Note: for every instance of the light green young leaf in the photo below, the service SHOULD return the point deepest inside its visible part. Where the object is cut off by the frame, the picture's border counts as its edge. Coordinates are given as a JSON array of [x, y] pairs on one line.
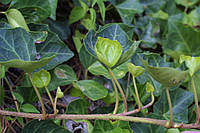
[[193, 63], [28, 108], [108, 51], [135, 70], [186, 3], [149, 88], [160, 14], [16, 19], [91, 89], [59, 93], [41, 78]]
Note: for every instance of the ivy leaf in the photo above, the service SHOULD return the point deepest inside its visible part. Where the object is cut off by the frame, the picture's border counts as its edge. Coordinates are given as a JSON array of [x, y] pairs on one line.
[[127, 9], [135, 70], [52, 45], [76, 14], [28, 108], [186, 3], [43, 126], [181, 42], [64, 75], [91, 89], [22, 52], [41, 78], [121, 34], [33, 11], [78, 106], [16, 19], [108, 51], [102, 8], [98, 69], [167, 76], [181, 100], [53, 6]]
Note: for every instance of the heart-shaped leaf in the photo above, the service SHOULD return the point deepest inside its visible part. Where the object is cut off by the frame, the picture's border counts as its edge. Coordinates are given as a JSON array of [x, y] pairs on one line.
[[64, 75], [108, 51], [193, 63], [98, 69], [52, 45], [127, 9], [91, 89], [119, 32], [167, 76], [41, 78], [135, 70], [43, 126], [16, 19], [18, 50]]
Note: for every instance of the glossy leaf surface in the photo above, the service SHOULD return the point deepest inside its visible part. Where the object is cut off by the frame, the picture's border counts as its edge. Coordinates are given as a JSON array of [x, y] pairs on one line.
[[41, 78], [108, 52], [91, 89]]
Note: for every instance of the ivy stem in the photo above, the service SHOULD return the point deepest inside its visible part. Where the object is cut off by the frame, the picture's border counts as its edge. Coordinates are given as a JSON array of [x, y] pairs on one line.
[[136, 92], [85, 74], [116, 97], [127, 85], [54, 108], [39, 97], [120, 89], [196, 101], [50, 97], [170, 108], [14, 98]]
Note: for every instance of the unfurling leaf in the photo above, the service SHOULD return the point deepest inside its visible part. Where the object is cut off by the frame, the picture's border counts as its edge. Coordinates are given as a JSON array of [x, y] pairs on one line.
[[149, 88], [59, 93], [135, 70], [193, 63], [108, 51], [41, 78]]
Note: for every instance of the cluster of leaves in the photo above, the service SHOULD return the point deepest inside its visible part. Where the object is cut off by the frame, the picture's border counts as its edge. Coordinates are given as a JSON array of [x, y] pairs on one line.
[[156, 35]]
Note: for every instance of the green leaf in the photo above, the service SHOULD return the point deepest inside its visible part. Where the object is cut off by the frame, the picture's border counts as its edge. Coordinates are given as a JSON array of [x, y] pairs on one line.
[[5, 2], [101, 126], [59, 93], [149, 87], [59, 27], [184, 40], [160, 14], [2, 71], [91, 89], [86, 59], [119, 32], [22, 52], [28, 108], [186, 3], [127, 9], [193, 63], [78, 106], [76, 14], [173, 130], [43, 126], [33, 11], [108, 51], [135, 70], [16, 19], [118, 130], [52, 45], [98, 69], [167, 76], [181, 100], [41, 79], [19, 98], [53, 6], [102, 8], [64, 75]]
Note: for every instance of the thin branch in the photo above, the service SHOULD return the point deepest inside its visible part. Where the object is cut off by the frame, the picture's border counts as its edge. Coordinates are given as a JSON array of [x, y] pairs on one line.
[[170, 107], [163, 123]]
